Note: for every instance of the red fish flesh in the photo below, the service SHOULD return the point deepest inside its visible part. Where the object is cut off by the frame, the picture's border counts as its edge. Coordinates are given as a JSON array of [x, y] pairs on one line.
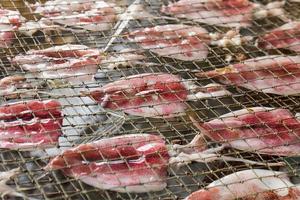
[[259, 129], [181, 42], [29, 125], [130, 163], [73, 62], [149, 95], [10, 20], [228, 13], [258, 184], [286, 36], [269, 74], [83, 14], [156, 95]]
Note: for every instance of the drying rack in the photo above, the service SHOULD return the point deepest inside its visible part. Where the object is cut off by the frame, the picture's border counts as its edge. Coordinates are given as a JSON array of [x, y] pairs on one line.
[[85, 120]]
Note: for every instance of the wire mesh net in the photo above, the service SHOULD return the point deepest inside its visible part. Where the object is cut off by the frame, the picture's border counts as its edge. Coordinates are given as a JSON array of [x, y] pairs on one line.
[[168, 81]]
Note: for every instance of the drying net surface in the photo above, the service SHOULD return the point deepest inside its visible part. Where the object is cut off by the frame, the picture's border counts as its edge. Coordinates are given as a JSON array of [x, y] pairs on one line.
[[170, 96]]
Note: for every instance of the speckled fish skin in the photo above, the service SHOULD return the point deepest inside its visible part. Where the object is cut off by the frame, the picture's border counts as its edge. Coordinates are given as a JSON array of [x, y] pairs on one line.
[[10, 20], [30, 125], [227, 13], [269, 74], [85, 14], [259, 129], [130, 163], [150, 95], [181, 42], [253, 184], [287, 36], [74, 62]]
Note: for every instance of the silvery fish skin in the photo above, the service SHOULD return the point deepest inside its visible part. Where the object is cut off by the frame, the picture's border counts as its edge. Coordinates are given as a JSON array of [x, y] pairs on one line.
[[256, 184]]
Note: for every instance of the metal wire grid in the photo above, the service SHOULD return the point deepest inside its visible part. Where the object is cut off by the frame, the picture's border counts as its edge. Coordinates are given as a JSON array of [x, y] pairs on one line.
[[181, 182]]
